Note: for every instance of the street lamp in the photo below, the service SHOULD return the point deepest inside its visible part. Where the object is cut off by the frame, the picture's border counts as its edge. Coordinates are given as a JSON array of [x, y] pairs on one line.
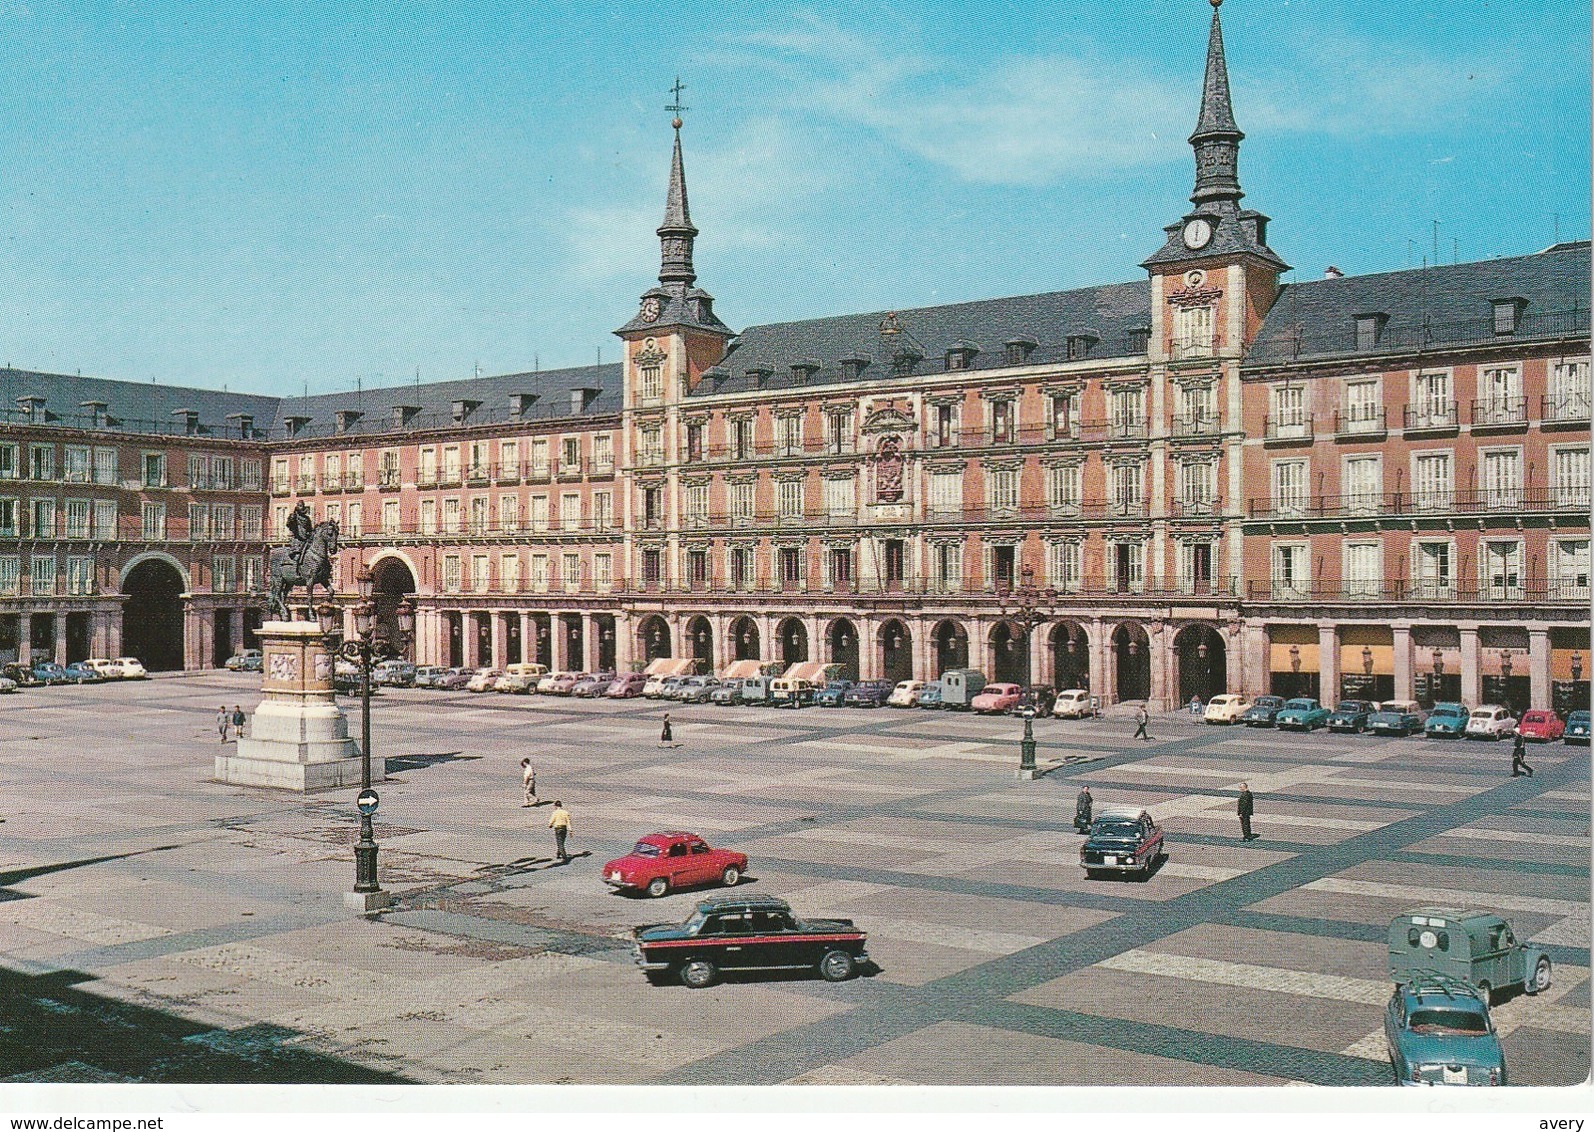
[[1026, 746], [1295, 659], [1438, 662], [1505, 663], [368, 645], [1367, 660], [1577, 666]]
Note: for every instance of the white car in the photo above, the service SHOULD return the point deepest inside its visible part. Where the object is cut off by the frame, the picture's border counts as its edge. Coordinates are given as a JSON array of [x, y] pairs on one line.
[[484, 679], [1491, 721], [905, 694], [1072, 704], [1227, 708], [7, 684], [654, 688], [105, 666], [132, 668], [545, 684]]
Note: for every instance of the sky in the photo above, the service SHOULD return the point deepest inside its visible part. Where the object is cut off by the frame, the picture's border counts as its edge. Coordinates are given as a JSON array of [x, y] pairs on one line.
[[274, 197]]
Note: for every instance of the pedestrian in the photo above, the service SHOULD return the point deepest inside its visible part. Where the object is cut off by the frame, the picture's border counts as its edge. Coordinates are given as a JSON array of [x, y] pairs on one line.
[[1519, 757], [1244, 808], [1082, 809], [223, 721], [528, 779], [560, 824], [1140, 723], [665, 735], [237, 721]]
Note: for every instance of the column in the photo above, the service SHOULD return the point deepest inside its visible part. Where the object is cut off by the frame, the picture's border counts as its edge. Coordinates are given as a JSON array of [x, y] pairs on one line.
[[193, 636], [113, 633], [60, 640], [24, 637], [624, 638], [1037, 657], [1097, 648], [589, 643], [1402, 637], [925, 649], [496, 621], [1328, 663], [467, 639], [1157, 640], [868, 649], [1257, 659], [97, 637], [1539, 666], [1471, 678], [816, 639], [528, 643]]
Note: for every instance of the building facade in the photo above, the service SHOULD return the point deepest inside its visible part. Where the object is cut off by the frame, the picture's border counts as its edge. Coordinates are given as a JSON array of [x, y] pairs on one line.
[[1198, 481]]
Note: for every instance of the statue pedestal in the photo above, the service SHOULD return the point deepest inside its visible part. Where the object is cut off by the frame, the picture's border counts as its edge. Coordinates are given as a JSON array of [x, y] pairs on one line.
[[298, 736]]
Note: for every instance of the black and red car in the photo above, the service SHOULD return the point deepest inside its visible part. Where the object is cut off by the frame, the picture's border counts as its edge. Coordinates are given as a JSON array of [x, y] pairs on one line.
[[1122, 840], [746, 933]]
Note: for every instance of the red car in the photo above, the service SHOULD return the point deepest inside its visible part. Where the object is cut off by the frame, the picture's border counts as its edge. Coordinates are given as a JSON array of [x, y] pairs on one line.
[[1544, 726], [673, 859], [996, 698]]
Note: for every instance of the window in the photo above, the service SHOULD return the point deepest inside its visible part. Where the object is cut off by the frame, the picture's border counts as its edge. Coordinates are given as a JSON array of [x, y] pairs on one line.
[[41, 461], [697, 567], [279, 475], [41, 572], [253, 519], [944, 427], [603, 571], [1434, 577], [603, 453], [1003, 490], [946, 493], [1192, 332], [1502, 570], [508, 459], [480, 573], [1505, 315], [1128, 413], [79, 576], [198, 522], [1291, 577], [694, 443], [1289, 411], [250, 470], [1197, 483], [570, 455], [791, 435], [428, 516], [602, 510], [331, 471], [509, 512], [1568, 399], [8, 462], [476, 466], [570, 511], [838, 566], [1065, 416], [1126, 566], [154, 464], [742, 502], [1368, 329], [1432, 479], [1063, 563], [1500, 399], [946, 566], [221, 471], [153, 520], [1364, 569], [77, 464], [199, 469], [791, 499], [353, 525], [1198, 409], [390, 474], [306, 472], [1128, 494], [697, 505], [652, 507], [77, 518], [391, 520], [450, 472], [451, 573], [1569, 471], [539, 457], [42, 516], [840, 497], [334, 515], [1569, 569], [539, 512], [451, 516], [838, 431], [1432, 405], [1002, 428], [1195, 567], [8, 517], [509, 573], [572, 572], [742, 568], [1062, 484], [652, 383], [105, 519], [1502, 479], [480, 523], [538, 575], [791, 565], [223, 575], [652, 445], [1363, 407], [221, 520], [1364, 484], [742, 439], [10, 574], [106, 467]]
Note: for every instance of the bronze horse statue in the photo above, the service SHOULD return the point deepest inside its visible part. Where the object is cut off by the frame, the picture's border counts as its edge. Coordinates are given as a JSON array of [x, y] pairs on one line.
[[311, 568]]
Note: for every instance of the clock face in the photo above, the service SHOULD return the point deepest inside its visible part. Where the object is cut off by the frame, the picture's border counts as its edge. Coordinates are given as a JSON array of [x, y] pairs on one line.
[[1197, 234], [650, 309]]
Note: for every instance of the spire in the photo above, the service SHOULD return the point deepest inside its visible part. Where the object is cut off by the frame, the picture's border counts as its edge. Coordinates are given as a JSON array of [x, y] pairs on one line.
[[676, 233], [1216, 139]]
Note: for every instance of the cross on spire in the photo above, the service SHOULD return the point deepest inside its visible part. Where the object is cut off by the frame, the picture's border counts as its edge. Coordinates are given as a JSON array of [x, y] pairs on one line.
[[676, 107]]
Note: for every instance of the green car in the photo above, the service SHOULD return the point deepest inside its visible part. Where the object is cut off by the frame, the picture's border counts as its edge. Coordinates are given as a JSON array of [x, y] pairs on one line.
[[1301, 714], [1474, 947]]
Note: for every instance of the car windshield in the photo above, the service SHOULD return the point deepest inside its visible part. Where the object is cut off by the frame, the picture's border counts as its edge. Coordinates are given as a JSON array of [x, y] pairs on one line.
[[1352, 706], [1448, 1021], [1578, 717], [1301, 705], [1447, 712], [1269, 701], [1118, 828], [644, 849]]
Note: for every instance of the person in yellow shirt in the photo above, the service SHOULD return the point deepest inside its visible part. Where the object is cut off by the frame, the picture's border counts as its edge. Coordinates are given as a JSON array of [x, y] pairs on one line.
[[560, 824]]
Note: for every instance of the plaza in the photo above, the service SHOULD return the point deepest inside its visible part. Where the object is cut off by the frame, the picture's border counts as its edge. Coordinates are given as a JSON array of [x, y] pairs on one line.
[[156, 925]]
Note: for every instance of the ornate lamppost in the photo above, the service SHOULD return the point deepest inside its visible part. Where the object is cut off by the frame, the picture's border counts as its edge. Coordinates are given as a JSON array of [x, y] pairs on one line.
[[1577, 666], [1505, 676], [1024, 609], [369, 645]]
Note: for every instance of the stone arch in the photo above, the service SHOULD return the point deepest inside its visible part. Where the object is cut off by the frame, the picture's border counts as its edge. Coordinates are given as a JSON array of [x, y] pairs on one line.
[[951, 641], [393, 580], [155, 555], [1070, 644], [1131, 662], [792, 636], [654, 639], [700, 642], [842, 636], [152, 616], [1009, 654], [746, 641], [895, 642], [1202, 659]]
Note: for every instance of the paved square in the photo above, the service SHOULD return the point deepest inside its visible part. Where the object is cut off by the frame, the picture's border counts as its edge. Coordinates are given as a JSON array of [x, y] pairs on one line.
[[137, 896]]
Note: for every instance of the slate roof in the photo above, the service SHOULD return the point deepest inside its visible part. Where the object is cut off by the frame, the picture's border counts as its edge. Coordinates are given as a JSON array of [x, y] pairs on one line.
[[1430, 308], [134, 406], [1108, 313]]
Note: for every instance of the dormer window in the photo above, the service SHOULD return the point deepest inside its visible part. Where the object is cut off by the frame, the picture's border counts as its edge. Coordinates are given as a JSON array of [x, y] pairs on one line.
[[190, 420], [804, 370], [346, 417], [294, 424], [852, 367], [760, 375], [463, 409], [1507, 312], [1139, 339], [960, 355], [404, 414], [1018, 350], [1369, 329], [1080, 345]]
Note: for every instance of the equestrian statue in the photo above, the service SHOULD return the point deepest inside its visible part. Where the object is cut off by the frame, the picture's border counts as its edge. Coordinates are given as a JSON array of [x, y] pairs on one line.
[[306, 562]]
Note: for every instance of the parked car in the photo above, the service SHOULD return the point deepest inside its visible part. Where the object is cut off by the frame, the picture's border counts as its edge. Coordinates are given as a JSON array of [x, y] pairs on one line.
[[1446, 721], [1263, 711], [81, 673], [132, 668], [1469, 946], [1122, 840], [19, 674], [996, 698], [625, 686], [833, 694], [1439, 1033], [394, 674], [1397, 717], [105, 666], [454, 679], [248, 660], [729, 692], [905, 694], [755, 689], [426, 675], [483, 679], [868, 693], [696, 689], [747, 933], [49, 672], [564, 683], [791, 693], [673, 859], [1351, 715], [7, 685], [1577, 729], [1541, 726], [1492, 722], [520, 677], [593, 686], [930, 696], [1037, 699], [1073, 704], [544, 683], [656, 686], [1226, 708], [683, 685], [959, 686], [1301, 714]]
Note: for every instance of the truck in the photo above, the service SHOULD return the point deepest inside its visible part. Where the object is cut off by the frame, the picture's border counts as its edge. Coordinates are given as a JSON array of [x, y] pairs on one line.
[[959, 686]]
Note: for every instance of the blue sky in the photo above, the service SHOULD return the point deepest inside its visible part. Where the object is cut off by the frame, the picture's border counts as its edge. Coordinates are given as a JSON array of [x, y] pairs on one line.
[[268, 196]]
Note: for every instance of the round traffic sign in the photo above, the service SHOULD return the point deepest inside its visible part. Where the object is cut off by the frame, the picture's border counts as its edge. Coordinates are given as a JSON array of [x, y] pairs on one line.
[[367, 801]]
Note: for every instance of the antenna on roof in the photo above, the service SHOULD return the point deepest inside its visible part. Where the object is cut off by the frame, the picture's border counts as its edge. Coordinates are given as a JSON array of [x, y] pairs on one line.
[[477, 369], [536, 362]]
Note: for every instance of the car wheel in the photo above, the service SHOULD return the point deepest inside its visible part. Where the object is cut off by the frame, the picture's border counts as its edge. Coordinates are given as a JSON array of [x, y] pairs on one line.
[[731, 876], [837, 966], [658, 886], [1540, 982], [698, 973]]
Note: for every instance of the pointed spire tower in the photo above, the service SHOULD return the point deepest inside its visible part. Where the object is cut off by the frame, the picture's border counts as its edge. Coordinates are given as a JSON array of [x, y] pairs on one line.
[[676, 233]]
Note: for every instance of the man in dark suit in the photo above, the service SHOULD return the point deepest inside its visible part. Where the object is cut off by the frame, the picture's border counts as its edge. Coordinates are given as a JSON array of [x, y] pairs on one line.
[[1244, 808]]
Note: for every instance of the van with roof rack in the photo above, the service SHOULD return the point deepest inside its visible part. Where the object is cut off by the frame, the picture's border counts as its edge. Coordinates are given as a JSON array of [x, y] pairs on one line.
[[1474, 947]]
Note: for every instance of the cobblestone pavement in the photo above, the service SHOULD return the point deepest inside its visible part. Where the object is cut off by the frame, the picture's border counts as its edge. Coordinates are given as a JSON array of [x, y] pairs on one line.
[[140, 900]]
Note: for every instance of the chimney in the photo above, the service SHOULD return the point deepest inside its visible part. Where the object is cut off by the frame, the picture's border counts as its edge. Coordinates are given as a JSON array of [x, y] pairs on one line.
[[520, 403], [463, 408], [346, 417], [190, 420], [1332, 272], [244, 423], [99, 412], [33, 406], [404, 414]]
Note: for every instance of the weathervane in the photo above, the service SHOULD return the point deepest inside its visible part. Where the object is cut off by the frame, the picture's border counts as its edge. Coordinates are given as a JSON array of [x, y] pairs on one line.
[[676, 108]]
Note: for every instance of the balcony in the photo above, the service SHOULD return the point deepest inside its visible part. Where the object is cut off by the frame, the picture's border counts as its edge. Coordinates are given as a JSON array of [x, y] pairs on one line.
[[280, 485], [1499, 414], [1440, 501], [389, 479], [537, 473], [1290, 428], [507, 473], [1565, 409], [478, 475], [305, 484], [1191, 349], [1361, 423], [1431, 417], [1387, 590], [1189, 425], [1197, 508], [571, 469]]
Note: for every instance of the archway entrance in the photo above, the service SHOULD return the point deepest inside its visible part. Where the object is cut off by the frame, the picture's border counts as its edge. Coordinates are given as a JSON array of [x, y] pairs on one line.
[[392, 582], [603, 627], [744, 639], [844, 648], [653, 638], [1203, 663], [541, 629], [951, 646], [793, 641], [1132, 662], [152, 616], [1070, 656], [896, 651], [1009, 655], [700, 642]]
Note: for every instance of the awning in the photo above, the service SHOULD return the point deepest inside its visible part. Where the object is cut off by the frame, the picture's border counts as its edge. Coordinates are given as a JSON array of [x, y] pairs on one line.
[[670, 666], [812, 671], [742, 670]]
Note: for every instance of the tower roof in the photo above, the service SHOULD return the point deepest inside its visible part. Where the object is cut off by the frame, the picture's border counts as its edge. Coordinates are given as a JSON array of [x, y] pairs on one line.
[[1217, 112]]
